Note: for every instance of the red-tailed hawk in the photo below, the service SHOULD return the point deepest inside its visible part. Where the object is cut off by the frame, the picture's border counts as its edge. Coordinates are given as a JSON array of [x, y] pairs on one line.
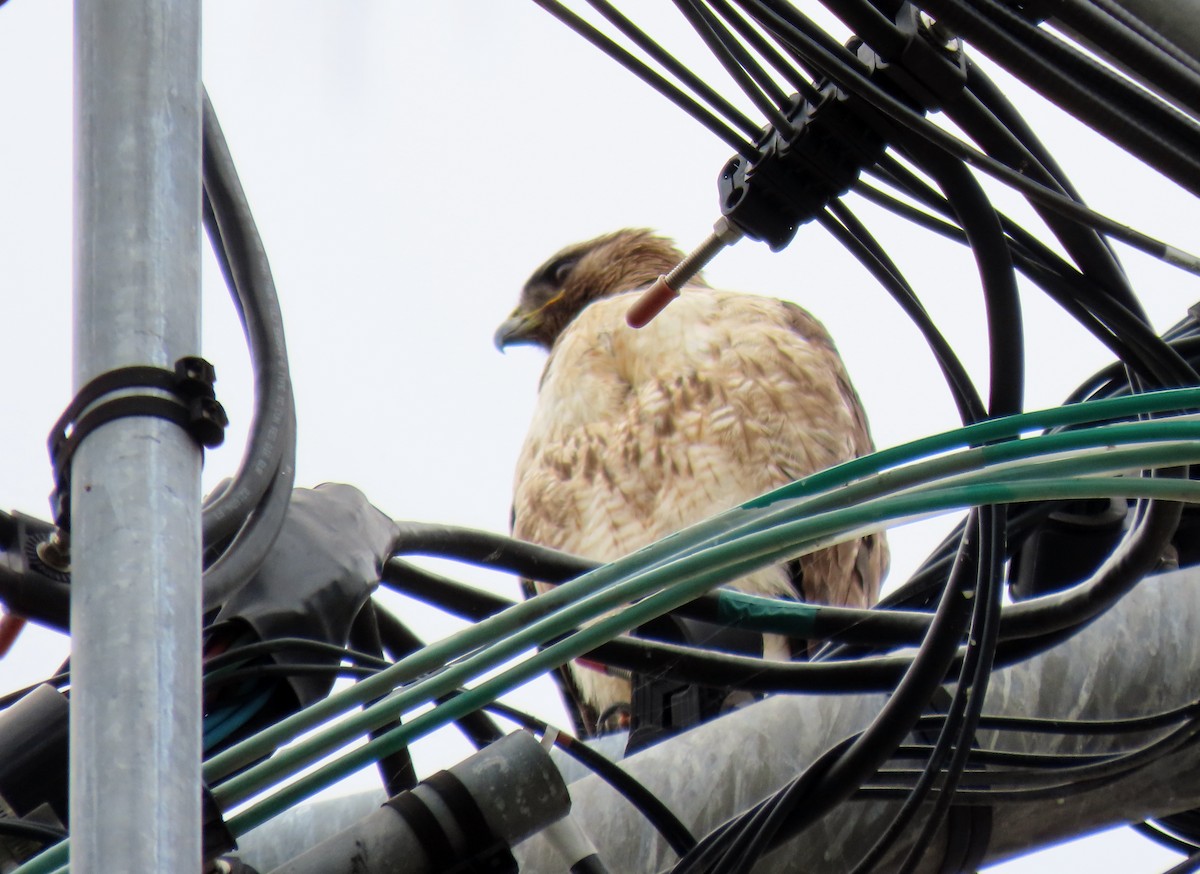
[[638, 433]]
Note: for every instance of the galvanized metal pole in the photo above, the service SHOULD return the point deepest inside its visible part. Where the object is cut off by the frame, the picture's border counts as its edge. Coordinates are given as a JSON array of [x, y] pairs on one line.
[[135, 612]]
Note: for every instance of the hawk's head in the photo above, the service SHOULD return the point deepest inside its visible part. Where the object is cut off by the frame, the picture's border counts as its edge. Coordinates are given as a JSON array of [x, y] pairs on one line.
[[580, 274]]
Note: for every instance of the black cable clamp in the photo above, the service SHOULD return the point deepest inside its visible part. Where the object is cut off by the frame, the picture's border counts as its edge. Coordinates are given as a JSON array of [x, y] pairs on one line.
[[930, 71], [834, 134], [193, 406]]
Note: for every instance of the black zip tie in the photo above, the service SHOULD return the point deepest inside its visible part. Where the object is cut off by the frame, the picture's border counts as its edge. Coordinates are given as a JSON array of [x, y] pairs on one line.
[[193, 407]]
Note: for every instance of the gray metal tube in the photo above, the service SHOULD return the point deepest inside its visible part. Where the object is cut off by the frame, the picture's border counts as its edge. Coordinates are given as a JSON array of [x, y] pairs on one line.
[[135, 606], [513, 781], [1140, 658]]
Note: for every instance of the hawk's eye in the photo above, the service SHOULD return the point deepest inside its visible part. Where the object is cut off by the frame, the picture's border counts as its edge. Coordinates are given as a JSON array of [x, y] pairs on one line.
[[562, 270]]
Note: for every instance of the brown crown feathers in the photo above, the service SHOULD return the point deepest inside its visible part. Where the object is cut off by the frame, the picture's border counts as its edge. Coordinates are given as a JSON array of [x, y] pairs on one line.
[[580, 274]]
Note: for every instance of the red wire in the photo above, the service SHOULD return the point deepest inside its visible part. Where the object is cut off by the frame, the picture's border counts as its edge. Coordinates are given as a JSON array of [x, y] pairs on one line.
[[10, 629]]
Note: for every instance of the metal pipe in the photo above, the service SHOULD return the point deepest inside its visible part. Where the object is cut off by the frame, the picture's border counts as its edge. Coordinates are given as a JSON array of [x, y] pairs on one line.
[[1141, 657], [135, 611]]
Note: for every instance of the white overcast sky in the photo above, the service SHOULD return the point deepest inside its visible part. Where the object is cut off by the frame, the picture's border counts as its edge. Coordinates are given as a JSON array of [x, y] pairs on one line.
[[409, 164]]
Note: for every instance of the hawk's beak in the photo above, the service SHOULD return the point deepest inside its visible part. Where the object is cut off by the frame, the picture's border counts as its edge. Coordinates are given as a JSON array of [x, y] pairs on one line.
[[520, 327]]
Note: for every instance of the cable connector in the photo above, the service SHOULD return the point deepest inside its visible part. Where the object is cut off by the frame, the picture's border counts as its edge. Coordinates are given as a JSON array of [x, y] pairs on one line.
[[666, 288], [31, 586], [834, 134]]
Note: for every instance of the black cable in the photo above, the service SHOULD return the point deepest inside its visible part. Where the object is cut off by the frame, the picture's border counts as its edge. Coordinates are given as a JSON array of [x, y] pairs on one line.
[[1155, 36], [488, 549], [958, 723], [985, 236], [984, 231], [969, 695], [985, 110], [1115, 726], [1134, 558], [1136, 46], [907, 211], [1164, 839], [873, 627], [1143, 351], [833, 780], [1100, 312], [853, 235], [650, 77], [1079, 778], [240, 254], [1056, 776], [28, 830], [249, 548], [396, 770], [1125, 332], [246, 652], [807, 40], [686, 663], [1064, 284], [1105, 94], [678, 70], [664, 821], [762, 90], [982, 759], [1140, 123], [1023, 623], [400, 641], [267, 470], [784, 23], [794, 77], [867, 22], [1114, 381]]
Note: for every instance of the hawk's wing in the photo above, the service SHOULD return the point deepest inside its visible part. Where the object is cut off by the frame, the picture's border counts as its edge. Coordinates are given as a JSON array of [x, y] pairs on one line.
[[723, 397]]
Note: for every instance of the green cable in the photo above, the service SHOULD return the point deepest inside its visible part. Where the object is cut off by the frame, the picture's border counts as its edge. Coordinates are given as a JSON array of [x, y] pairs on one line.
[[771, 615], [885, 463], [556, 624], [979, 457], [688, 588], [760, 613], [665, 557], [51, 861], [1007, 427], [432, 657]]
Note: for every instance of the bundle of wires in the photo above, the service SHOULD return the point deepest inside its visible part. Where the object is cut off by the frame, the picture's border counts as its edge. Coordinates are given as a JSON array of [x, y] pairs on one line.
[[243, 517], [897, 69], [982, 464], [1004, 467]]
